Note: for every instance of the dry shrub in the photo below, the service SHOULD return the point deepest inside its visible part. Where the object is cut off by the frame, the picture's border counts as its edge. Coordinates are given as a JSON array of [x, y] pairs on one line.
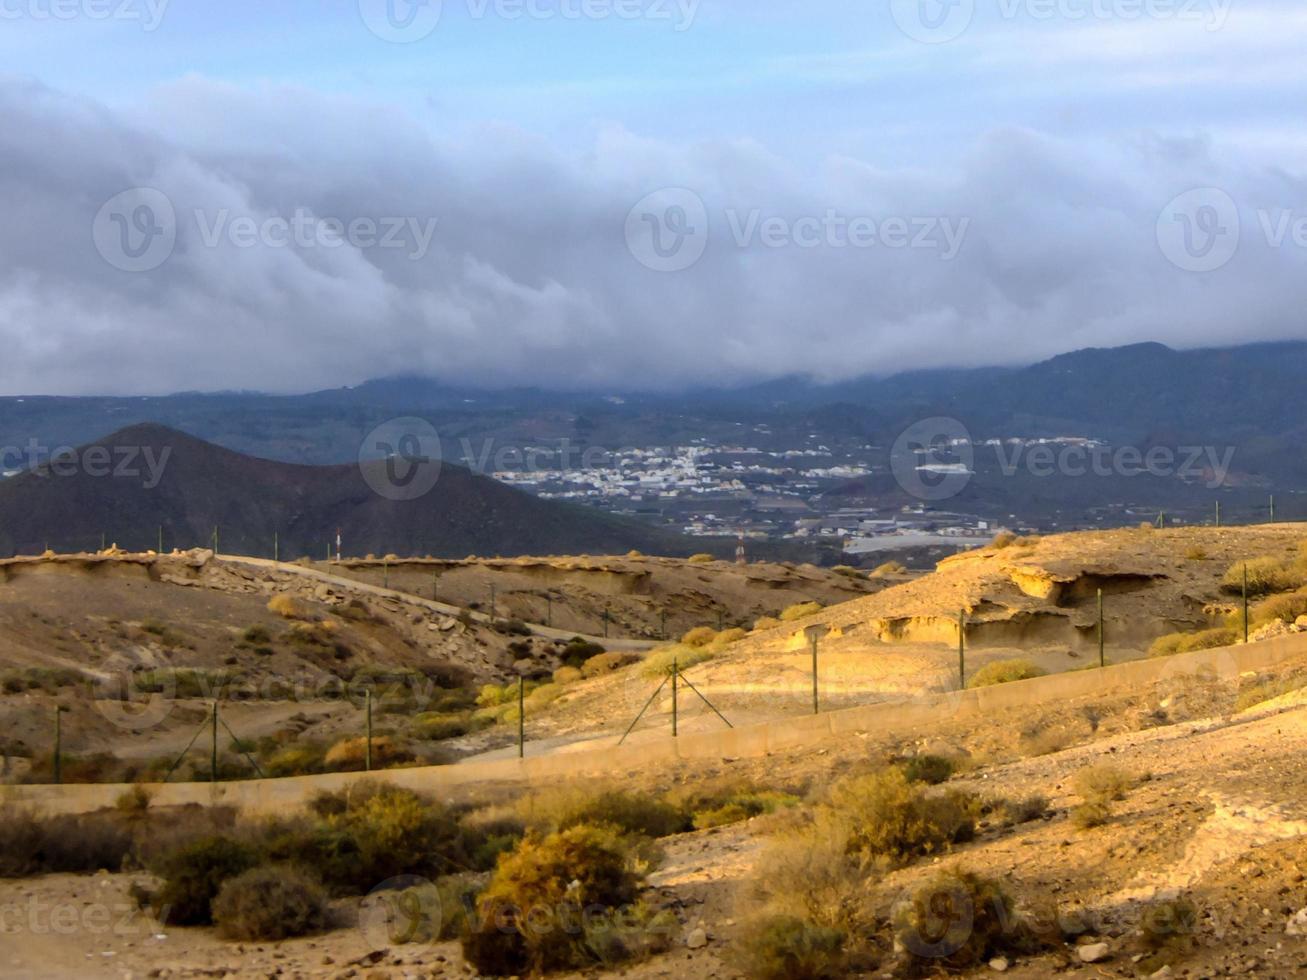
[[814, 872], [703, 558], [929, 769], [564, 902], [893, 821], [606, 663], [889, 569], [66, 844], [567, 675], [728, 637], [766, 623], [1105, 782], [1266, 576], [1168, 930], [954, 922], [1004, 539], [350, 755], [800, 610], [192, 875], [287, 607], [1286, 608], [1261, 691], [700, 636], [1005, 672], [1091, 814], [628, 811], [1173, 643], [786, 947], [658, 663], [269, 904]]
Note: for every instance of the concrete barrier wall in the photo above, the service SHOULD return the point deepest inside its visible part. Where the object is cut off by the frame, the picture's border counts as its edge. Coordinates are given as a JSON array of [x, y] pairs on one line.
[[913, 716]]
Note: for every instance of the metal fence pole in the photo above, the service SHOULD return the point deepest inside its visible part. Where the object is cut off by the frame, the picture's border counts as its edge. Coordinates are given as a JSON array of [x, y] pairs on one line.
[[58, 765], [1102, 649], [816, 707], [962, 648], [367, 751], [1245, 602], [521, 717], [213, 747], [676, 672]]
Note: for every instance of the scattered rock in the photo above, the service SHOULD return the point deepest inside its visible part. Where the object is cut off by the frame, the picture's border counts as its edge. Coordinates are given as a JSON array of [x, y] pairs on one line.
[[1297, 924], [1094, 952], [999, 964], [697, 939]]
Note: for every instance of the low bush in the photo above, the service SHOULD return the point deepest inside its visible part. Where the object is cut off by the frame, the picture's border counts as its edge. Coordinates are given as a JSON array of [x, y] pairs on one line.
[[786, 947], [892, 821], [929, 769], [1025, 809], [889, 569], [67, 844], [606, 663], [350, 755], [1168, 931], [766, 623], [287, 607], [800, 610], [1173, 643], [1262, 691], [192, 875], [728, 637], [1004, 539], [658, 663], [1266, 576], [1005, 672], [269, 904], [256, 634], [1286, 608], [1096, 813], [629, 811], [1104, 782], [550, 900], [700, 636], [955, 922], [567, 675], [703, 558]]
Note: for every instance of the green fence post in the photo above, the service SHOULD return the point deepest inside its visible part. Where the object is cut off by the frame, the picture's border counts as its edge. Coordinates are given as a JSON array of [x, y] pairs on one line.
[[385, 573], [1218, 513], [549, 609], [521, 717], [160, 539], [663, 630], [676, 673], [492, 605], [276, 546], [1272, 508], [606, 619]]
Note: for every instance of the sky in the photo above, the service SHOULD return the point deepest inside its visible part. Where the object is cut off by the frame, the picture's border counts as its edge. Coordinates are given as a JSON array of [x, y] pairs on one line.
[[637, 194]]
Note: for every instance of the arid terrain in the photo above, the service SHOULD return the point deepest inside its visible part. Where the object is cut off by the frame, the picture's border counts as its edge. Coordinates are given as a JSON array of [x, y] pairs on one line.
[[1147, 829]]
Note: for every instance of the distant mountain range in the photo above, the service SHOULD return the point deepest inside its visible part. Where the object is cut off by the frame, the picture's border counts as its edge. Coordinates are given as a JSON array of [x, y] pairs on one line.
[[129, 486], [1240, 398]]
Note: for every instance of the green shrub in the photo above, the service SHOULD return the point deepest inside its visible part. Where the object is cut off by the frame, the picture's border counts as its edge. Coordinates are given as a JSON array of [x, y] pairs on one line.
[[192, 875], [785, 947], [530, 915], [269, 904], [957, 921], [800, 610], [437, 726], [1005, 672], [929, 769], [893, 821], [579, 650]]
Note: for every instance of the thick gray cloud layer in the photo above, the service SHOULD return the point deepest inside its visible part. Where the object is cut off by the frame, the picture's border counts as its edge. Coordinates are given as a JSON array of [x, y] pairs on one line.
[[530, 276]]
